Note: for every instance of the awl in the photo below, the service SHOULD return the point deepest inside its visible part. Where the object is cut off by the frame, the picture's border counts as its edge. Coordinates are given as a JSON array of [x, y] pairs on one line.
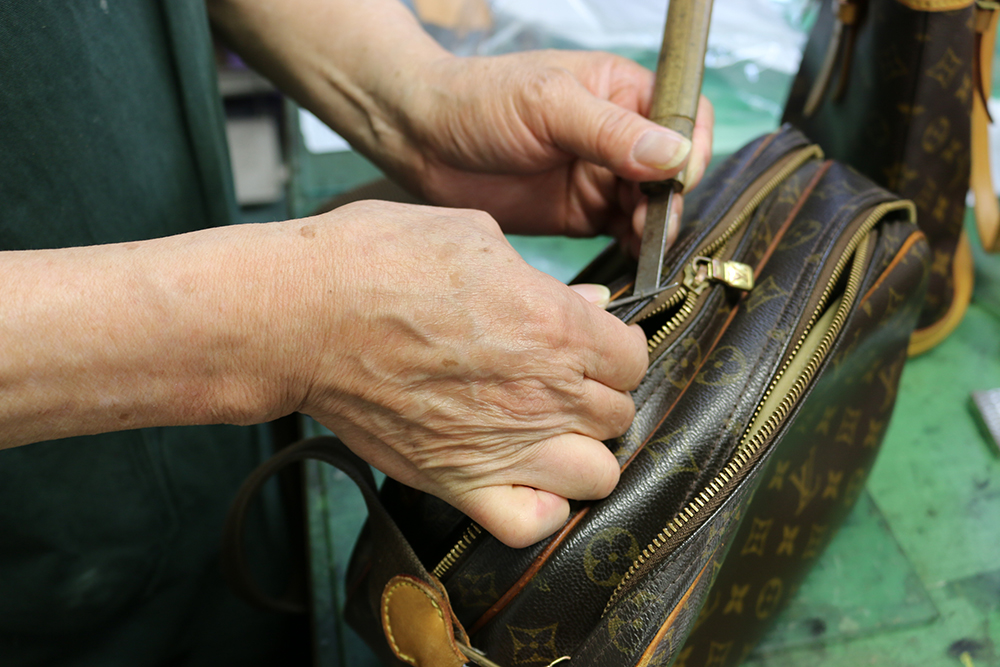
[[674, 105]]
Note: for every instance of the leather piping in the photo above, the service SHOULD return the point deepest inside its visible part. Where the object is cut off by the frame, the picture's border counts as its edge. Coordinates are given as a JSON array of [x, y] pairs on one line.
[[529, 574], [791, 216], [543, 557], [913, 238], [651, 648]]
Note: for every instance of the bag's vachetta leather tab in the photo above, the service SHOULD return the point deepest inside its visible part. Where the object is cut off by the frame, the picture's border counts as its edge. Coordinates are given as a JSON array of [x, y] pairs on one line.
[[418, 624]]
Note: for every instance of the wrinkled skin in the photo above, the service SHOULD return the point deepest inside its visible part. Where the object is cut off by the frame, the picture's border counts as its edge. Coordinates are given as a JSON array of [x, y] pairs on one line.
[[415, 333]]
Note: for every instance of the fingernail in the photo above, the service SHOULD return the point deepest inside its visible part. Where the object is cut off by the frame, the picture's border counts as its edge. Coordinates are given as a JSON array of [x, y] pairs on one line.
[[599, 295], [661, 149]]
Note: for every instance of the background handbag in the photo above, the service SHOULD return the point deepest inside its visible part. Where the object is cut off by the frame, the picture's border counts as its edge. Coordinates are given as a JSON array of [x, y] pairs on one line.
[[898, 90], [756, 426]]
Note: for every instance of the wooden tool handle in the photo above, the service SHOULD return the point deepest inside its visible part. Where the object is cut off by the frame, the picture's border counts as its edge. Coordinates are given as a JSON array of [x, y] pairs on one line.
[[681, 65]]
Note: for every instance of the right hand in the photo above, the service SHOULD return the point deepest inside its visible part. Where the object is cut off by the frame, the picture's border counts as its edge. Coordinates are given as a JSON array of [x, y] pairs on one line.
[[440, 357]]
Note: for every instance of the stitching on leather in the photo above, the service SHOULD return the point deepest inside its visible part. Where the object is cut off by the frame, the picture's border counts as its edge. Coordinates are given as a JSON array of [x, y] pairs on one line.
[[388, 625]]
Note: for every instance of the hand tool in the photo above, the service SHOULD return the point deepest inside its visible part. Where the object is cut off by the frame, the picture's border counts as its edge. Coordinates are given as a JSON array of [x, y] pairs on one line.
[[675, 105]]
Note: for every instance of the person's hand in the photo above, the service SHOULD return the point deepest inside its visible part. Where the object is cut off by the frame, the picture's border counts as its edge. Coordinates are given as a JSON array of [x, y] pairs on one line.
[[439, 356], [416, 334], [548, 142]]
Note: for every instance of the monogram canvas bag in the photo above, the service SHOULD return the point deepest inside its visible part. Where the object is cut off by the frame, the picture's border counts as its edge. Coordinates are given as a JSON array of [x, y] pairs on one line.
[[763, 408], [898, 90]]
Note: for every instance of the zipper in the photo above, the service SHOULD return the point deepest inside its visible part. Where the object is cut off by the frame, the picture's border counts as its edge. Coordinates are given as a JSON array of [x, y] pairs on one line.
[[754, 439], [471, 533], [702, 269], [707, 267]]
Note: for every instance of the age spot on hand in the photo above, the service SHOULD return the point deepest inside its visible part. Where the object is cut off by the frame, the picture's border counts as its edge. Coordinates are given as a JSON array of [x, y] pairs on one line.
[[307, 231]]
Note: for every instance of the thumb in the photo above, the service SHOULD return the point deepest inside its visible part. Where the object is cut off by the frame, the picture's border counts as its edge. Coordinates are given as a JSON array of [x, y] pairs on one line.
[[599, 131], [599, 295]]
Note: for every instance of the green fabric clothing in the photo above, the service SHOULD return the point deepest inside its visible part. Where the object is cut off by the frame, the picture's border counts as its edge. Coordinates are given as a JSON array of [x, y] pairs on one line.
[[111, 129]]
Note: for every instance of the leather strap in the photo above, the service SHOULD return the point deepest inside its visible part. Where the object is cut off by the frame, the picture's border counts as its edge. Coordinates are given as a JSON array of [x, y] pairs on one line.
[[987, 208], [413, 605]]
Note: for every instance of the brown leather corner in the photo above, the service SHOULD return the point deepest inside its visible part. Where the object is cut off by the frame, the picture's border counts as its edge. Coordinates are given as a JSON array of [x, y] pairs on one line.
[[935, 5], [418, 624]]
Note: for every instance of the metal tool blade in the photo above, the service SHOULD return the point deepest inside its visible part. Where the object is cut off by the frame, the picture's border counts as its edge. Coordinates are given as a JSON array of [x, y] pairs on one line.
[[654, 244]]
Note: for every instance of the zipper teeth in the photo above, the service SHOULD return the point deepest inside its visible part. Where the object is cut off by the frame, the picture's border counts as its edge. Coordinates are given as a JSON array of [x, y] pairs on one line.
[[674, 299], [718, 244], [471, 533], [877, 213], [751, 445], [803, 156], [673, 322]]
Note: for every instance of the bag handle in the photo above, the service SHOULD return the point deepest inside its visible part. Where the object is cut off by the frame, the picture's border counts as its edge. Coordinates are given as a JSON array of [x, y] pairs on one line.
[[403, 595], [986, 207]]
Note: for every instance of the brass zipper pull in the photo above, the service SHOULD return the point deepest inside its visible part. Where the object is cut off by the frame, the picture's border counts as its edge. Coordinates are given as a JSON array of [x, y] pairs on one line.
[[703, 271]]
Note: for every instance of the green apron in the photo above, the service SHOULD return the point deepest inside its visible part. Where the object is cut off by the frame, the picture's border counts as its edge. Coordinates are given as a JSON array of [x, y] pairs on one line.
[[111, 129]]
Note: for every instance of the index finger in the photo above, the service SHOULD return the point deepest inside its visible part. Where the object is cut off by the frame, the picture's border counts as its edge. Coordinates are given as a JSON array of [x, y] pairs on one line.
[[613, 353]]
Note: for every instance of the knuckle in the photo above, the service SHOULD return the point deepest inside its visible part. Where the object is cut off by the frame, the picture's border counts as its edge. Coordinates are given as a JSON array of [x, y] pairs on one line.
[[615, 128], [623, 413], [545, 82]]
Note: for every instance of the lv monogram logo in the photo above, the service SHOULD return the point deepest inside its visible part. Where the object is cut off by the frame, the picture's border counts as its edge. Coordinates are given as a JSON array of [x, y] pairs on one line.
[[735, 604], [833, 479], [769, 598], [532, 645], [758, 537], [787, 546], [936, 134], [806, 482], [945, 69]]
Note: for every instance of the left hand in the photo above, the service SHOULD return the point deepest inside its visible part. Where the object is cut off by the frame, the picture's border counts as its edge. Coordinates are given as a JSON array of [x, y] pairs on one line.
[[550, 142]]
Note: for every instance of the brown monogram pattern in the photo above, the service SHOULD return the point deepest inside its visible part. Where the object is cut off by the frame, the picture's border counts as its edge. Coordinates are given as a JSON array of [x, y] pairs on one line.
[[902, 117], [773, 515], [817, 472]]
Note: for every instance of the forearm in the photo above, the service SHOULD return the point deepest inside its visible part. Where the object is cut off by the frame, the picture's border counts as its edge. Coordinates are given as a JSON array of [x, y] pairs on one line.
[[154, 333], [351, 63]]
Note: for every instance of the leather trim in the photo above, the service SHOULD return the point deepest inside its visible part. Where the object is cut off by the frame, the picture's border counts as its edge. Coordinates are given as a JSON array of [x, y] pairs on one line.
[[806, 192], [529, 574], [963, 274], [986, 207], [648, 654], [935, 5], [418, 624], [905, 248]]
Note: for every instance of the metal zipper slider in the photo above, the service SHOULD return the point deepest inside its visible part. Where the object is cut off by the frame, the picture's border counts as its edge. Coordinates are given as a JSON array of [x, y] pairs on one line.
[[705, 270]]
